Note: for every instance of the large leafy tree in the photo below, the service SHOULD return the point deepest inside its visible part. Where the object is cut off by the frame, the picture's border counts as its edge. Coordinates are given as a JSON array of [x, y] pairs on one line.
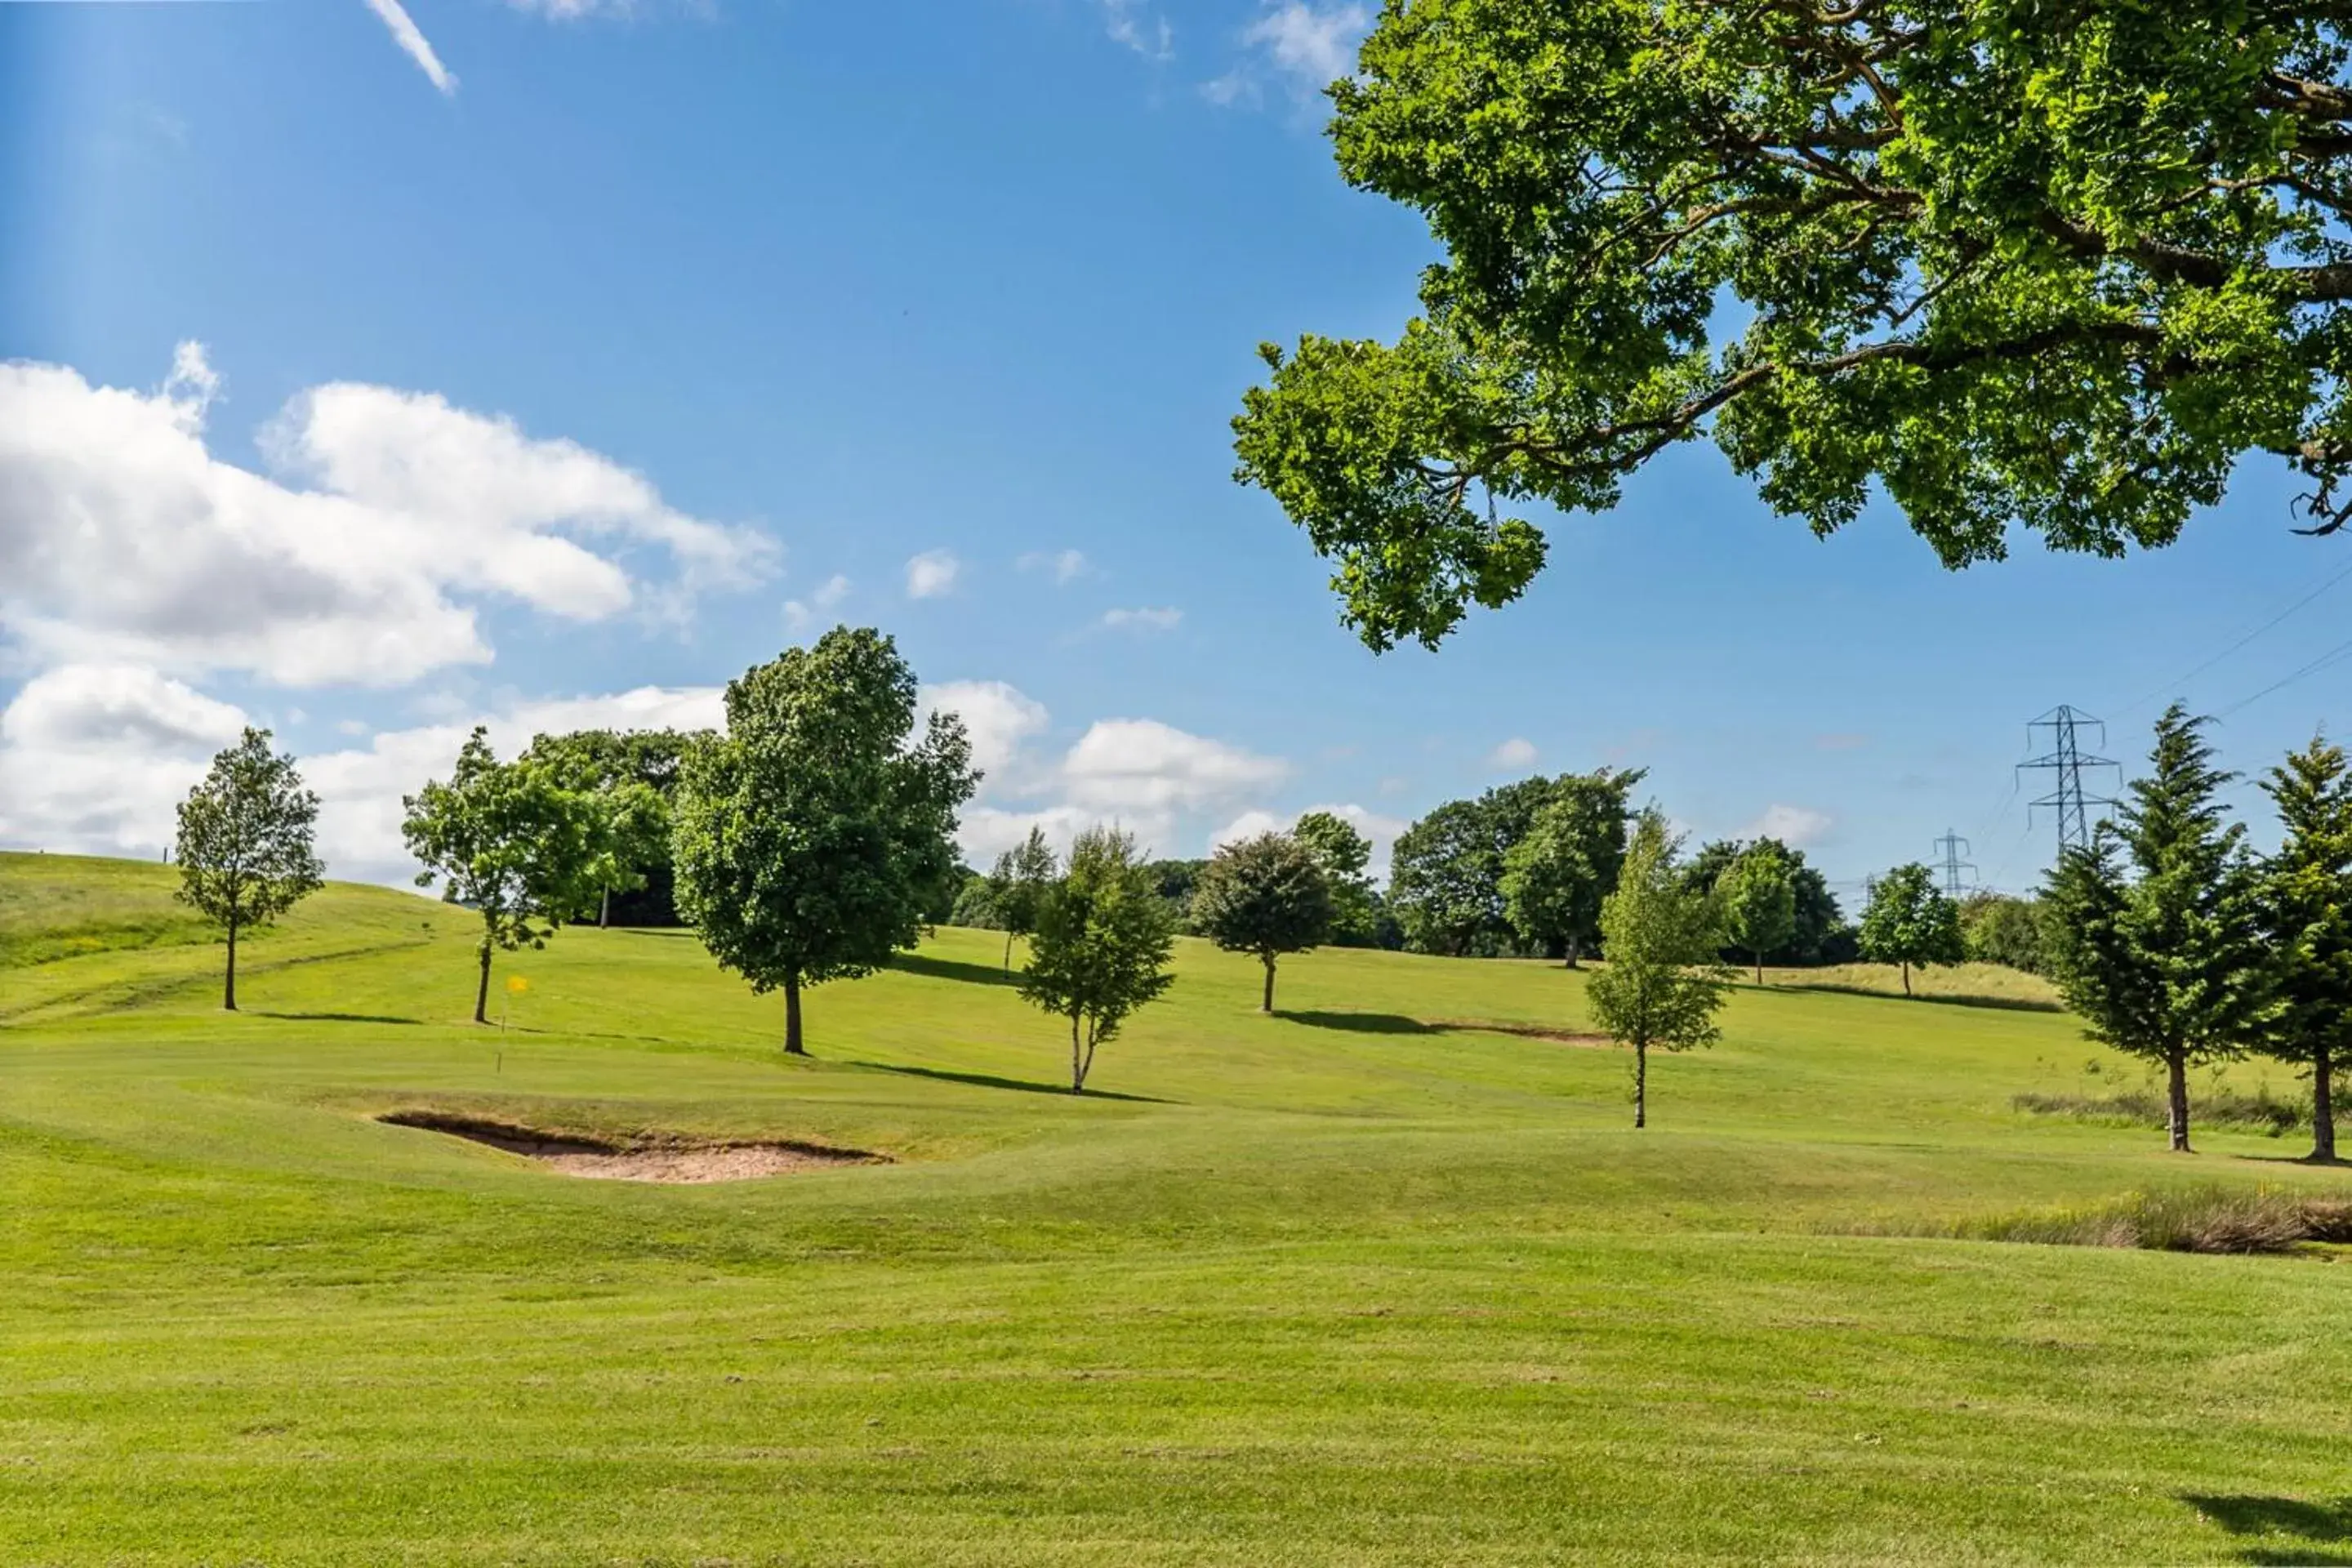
[[1820, 924], [1344, 855], [508, 841], [1444, 880], [630, 775], [1264, 896], [244, 844], [1557, 874], [1760, 904], [2165, 962], [2008, 262], [2307, 917], [1909, 922], [1662, 985], [1446, 872], [1101, 947], [809, 839]]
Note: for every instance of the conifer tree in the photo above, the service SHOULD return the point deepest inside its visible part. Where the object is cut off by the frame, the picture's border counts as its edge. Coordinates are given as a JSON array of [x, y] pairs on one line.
[[2307, 916], [2165, 963]]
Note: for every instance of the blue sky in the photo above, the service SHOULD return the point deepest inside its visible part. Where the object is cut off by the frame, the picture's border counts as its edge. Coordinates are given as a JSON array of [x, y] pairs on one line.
[[845, 286]]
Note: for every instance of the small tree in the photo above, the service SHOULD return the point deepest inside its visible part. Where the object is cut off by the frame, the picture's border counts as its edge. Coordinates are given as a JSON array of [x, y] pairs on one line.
[[1343, 854], [808, 839], [2307, 917], [1909, 920], [245, 843], [1759, 903], [507, 840], [1101, 946], [1663, 982], [1266, 896], [1018, 885], [2166, 964]]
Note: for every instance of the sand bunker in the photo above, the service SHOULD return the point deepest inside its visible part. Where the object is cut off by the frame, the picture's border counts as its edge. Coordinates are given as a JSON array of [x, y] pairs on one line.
[[643, 1159]]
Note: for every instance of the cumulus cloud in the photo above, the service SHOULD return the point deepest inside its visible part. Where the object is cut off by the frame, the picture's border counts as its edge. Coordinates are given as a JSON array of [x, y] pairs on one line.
[[96, 757], [1306, 46], [412, 42], [1148, 769], [1062, 566], [1797, 827], [932, 574], [1516, 753], [124, 541], [800, 614], [998, 718], [1138, 774], [1142, 620]]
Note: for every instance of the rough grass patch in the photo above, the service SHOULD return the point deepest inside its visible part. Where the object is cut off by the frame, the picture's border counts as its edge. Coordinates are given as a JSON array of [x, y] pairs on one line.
[[2259, 1111], [2208, 1219]]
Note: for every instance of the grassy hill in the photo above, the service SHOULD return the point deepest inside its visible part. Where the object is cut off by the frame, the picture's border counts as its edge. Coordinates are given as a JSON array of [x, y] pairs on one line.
[[1386, 1279]]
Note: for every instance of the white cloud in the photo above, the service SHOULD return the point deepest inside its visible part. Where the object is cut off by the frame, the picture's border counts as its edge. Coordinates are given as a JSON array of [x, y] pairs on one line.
[[1309, 45], [1248, 825], [124, 541], [1518, 752], [96, 757], [1146, 768], [1142, 620], [997, 717], [1062, 566], [1797, 827], [413, 44], [985, 832], [1130, 23], [802, 614], [932, 574]]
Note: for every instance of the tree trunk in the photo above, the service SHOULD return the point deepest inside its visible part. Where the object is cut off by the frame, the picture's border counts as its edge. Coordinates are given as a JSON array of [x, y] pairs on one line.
[[1573, 954], [2323, 1108], [2175, 1066], [1759, 966], [482, 991], [1266, 1003], [793, 1047], [1906, 977], [1078, 1065], [228, 989], [1008, 950], [605, 910], [1640, 1084]]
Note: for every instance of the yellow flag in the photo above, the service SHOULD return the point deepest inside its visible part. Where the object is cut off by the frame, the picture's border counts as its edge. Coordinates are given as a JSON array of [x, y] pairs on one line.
[[517, 985]]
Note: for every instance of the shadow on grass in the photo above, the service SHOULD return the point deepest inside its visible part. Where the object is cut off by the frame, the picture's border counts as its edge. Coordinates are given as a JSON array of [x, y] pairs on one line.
[[2328, 1524], [1362, 1022], [990, 1081], [2006, 1003], [339, 1017], [954, 969]]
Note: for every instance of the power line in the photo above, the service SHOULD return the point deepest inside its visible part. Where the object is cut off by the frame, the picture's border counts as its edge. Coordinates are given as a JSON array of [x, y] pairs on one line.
[[2178, 681], [2316, 665]]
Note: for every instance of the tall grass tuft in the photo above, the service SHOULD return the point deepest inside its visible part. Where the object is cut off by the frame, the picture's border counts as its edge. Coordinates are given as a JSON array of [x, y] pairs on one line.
[[2185, 1219], [2260, 1111]]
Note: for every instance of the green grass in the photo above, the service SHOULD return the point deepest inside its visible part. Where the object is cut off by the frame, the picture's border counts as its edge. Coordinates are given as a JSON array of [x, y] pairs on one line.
[[1362, 1283]]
